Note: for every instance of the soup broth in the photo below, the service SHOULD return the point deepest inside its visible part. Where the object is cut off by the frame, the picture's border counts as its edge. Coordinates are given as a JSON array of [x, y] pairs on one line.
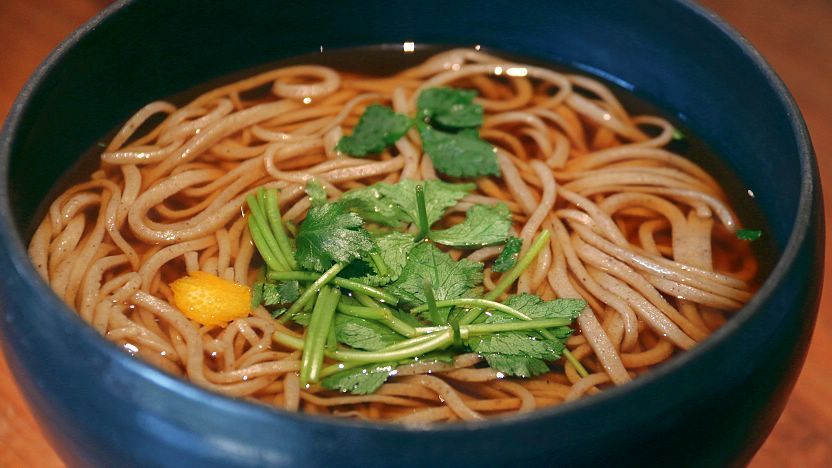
[[364, 232]]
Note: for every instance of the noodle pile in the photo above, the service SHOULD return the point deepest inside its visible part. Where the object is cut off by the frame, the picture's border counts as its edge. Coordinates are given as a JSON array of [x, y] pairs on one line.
[[643, 235]]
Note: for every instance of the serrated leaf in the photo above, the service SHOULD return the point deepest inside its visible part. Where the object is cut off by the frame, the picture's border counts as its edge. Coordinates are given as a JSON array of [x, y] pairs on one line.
[[508, 257], [484, 225], [449, 279], [524, 354], [373, 206], [284, 292], [450, 107], [538, 309], [378, 128], [395, 204], [518, 344], [329, 235], [517, 366], [361, 380], [393, 248], [462, 154], [439, 196], [301, 318], [517, 354], [316, 192], [364, 334]]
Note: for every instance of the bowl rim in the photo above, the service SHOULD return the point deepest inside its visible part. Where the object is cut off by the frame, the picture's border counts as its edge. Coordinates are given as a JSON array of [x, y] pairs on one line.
[[185, 389]]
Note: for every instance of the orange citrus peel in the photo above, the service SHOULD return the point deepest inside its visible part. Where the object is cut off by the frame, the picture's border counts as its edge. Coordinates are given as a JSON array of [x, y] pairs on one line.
[[210, 300]]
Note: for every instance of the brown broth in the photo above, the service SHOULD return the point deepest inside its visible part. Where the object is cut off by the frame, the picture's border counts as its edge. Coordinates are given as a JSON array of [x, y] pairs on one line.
[[375, 61]]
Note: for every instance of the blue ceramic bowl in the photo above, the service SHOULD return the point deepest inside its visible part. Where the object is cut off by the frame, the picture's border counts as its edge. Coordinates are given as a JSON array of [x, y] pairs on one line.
[[713, 405]]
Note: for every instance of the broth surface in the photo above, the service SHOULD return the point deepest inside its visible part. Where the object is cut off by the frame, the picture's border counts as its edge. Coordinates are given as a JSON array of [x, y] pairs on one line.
[[113, 251]]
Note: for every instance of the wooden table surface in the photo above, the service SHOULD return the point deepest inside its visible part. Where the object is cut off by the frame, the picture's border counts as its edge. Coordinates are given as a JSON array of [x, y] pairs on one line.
[[794, 36]]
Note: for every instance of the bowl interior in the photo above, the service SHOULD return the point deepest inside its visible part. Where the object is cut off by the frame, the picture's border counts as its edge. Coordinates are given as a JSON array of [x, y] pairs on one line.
[[658, 60], [673, 54]]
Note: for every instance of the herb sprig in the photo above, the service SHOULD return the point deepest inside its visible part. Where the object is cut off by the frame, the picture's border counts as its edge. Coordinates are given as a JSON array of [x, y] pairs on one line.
[[372, 297], [448, 121]]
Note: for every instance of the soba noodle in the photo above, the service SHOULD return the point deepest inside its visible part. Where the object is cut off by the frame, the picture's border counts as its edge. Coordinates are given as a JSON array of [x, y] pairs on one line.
[[643, 235]]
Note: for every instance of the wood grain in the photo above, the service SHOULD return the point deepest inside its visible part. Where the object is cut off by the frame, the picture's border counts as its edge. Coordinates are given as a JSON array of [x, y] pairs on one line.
[[793, 35]]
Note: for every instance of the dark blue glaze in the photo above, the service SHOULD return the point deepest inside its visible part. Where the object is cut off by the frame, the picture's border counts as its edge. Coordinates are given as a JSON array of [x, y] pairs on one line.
[[713, 405]]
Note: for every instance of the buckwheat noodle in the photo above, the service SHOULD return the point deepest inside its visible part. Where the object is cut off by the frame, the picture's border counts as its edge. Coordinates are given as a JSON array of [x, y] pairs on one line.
[[642, 234]]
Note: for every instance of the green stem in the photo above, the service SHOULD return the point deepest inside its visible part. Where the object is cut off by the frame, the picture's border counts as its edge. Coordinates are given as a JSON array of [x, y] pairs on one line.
[[291, 227], [312, 289], [357, 287], [525, 261], [331, 337], [488, 328], [338, 367], [406, 349], [274, 262], [292, 275], [511, 276], [431, 303], [454, 322], [483, 304], [340, 282], [314, 342], [381, 267], [257, 288], [440, 340], [369, 313], [310, 304], [265, 232], [297, 343], [396, 324], [410, 342], [421, 206], [287, 340], [272, 204], [575, 363]]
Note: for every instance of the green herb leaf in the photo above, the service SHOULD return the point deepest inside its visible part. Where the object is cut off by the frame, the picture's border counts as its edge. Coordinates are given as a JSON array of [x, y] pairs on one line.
[[518, 366], [538, 309], [439, 196], [508, 257], [449, 119], [328, 235], [448, 278], [484, 225], [749, 234], [316, 192], [395, 204], [517, 354], [360, 380], [393, 248], [301, 318], [373, 206], [512, 343], [256, 293], [525, 354], [378, 128], [284, 292], [364, 334], [450, 107], [461, 154], [446, 355]]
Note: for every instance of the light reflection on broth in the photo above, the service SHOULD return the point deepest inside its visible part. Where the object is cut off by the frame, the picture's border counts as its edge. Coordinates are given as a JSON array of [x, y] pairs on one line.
[[643, 235]]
